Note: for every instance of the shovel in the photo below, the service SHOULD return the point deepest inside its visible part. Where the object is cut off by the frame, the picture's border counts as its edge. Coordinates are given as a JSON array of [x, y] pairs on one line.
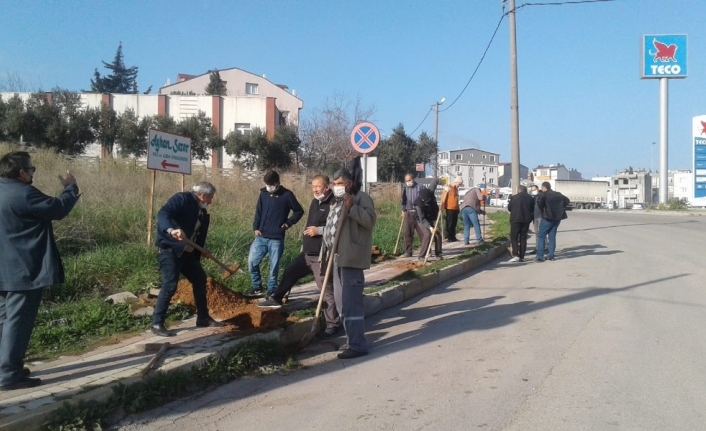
[[230, 270], [329, 268]]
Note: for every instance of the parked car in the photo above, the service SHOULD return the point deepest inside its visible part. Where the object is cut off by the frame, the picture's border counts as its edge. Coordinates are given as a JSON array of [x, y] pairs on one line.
[[638, 207]]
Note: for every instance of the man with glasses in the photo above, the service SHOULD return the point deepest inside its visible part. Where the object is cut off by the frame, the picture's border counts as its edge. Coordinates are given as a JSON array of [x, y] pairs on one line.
[[30, 259]]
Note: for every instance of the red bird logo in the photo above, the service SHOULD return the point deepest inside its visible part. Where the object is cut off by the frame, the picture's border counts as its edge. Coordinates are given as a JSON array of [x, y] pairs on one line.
[[703, 129], [664, 52]]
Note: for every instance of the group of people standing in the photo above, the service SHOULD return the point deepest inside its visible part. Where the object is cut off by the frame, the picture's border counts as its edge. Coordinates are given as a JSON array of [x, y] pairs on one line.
[[420, 214], [545, 208]]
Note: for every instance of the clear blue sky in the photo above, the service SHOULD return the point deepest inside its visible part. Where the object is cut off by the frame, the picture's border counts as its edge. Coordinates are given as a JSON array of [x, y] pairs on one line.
[[580, 97]]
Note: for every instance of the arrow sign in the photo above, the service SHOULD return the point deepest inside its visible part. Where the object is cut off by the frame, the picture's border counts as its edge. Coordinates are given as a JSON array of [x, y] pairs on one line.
[[166, 165], [169, 152]]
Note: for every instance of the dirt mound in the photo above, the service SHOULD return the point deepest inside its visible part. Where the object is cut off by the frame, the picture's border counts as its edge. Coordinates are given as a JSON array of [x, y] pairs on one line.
[[229, 306]]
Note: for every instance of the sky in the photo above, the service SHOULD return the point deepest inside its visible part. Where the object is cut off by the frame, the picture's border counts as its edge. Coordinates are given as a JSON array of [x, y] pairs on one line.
[[581, 100]]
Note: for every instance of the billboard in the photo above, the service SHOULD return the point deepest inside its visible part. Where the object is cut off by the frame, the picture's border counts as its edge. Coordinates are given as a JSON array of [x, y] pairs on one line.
[[699, 137], [664, 56]]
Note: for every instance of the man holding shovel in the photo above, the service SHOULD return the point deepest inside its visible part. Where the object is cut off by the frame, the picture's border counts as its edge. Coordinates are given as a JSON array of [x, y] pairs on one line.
[[184, 216], [351, 256]]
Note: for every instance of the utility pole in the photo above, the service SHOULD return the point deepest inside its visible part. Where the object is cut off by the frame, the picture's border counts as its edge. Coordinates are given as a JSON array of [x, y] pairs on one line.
[[514, 108], [436, 136]]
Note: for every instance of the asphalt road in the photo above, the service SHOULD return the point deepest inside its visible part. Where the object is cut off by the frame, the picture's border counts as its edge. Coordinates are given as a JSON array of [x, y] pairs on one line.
[[610, 336]]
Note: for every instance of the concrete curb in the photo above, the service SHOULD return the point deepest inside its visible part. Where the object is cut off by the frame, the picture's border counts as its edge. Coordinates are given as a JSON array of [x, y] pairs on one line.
[[291, 335], [398, 293]]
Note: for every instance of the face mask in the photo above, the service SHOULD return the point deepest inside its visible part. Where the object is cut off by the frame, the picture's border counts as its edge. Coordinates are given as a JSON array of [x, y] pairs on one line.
[[409, 183], [535, 192], [339, 191], [320, 197], [271, 189]]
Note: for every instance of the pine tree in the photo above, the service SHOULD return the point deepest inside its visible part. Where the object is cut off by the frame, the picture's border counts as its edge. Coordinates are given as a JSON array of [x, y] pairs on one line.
[[216, 86], [122, 80]]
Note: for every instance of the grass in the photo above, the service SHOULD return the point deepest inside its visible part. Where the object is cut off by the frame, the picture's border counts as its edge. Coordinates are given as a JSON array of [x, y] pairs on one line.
[[103, 243]]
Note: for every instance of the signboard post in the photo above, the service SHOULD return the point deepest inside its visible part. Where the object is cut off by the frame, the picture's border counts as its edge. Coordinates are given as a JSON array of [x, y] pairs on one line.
[[170, 153], [663, 58], [365, 137]]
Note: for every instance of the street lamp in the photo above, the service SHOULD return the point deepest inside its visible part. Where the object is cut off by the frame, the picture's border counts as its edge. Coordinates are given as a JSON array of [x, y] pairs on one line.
[[436, 136]]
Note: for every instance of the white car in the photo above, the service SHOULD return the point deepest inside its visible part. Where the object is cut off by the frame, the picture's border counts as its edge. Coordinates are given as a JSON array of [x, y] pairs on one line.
[[638, 207]]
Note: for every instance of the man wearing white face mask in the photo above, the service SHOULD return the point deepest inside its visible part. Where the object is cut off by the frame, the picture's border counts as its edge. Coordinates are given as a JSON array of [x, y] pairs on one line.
[[308, 260], [352, 257], [272, 220]]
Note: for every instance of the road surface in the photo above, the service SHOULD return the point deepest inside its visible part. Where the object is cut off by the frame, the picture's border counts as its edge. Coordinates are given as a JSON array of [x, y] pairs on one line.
[[610, 336]]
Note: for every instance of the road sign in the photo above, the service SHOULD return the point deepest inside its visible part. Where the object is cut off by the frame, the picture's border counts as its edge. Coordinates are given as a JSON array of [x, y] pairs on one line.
[[419, 167], [365, 137], [664, 56], [169, 153]]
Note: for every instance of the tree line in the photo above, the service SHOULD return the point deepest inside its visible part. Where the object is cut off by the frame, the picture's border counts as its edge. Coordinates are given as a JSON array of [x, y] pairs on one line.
[[320, 142]]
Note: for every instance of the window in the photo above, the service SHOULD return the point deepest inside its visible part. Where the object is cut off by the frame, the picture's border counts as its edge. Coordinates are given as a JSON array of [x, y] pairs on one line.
[[491, 170], [492, 159], [459, 157], [625, 180], [250, 88], [243, 128], [483, 156]]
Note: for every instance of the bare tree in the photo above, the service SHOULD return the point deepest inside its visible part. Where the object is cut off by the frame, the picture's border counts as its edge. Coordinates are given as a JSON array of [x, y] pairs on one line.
[[326, 132], [13, 82]]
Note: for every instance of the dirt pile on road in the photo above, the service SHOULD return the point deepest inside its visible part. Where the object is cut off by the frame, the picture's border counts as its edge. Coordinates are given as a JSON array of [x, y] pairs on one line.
[[227, 305]]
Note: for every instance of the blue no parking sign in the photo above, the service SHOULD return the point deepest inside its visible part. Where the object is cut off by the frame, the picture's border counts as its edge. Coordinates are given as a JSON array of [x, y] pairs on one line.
[[365, 137]]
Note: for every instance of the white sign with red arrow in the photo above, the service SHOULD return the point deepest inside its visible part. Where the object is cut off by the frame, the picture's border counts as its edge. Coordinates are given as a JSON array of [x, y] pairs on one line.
[[168, 152]]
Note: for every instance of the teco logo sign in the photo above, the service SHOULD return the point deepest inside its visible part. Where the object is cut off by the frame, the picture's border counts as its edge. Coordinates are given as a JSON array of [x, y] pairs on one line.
[[664, 56]]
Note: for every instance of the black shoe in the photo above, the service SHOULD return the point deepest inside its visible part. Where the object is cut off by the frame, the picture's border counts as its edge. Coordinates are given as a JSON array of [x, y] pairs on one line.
[[408, 255], [162, 331], [532, 252], [25, 372], [254, 293], [550, 258], [209, 323], [270, 303], [440, 256], [328, 333], [350, 354], [22, 383]]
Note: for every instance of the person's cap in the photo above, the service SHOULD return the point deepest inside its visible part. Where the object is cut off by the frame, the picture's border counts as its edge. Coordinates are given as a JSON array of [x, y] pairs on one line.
[[458, 180]]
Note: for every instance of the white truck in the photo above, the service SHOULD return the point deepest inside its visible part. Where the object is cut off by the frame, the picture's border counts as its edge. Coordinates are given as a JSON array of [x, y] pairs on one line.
[[583, 193]]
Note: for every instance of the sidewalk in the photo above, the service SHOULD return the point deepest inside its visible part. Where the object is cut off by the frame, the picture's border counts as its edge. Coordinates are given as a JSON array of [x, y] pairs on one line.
[[91, 375]]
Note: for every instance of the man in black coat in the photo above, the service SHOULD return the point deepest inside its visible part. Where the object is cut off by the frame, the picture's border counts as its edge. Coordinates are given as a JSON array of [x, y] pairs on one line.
[[183, 216], [427, 212], [553, 206], [30, 259], [307, 262], [521, 207]]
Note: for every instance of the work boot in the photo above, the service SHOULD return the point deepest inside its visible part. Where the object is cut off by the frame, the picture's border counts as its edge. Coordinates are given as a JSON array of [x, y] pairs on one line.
[[209, 322], [162, 331]]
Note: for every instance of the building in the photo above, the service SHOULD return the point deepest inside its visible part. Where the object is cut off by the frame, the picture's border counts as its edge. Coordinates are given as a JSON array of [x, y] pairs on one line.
[[473, 165], [505, 174], [555, 172], [252, 101], [631, 187]]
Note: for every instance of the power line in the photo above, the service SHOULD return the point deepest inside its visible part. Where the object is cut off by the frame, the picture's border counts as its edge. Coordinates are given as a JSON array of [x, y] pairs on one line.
[[421, 122], [562, 3]]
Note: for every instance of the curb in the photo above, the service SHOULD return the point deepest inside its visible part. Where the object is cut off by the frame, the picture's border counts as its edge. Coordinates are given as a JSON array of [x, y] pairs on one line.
[[291, 335]]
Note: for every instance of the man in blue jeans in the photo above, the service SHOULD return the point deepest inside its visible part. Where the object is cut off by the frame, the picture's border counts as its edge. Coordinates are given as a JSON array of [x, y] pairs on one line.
[[272, 220], [470, 208], [553, 207]]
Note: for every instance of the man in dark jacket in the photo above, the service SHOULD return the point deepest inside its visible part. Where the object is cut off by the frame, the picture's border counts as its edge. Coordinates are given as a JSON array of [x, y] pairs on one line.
[[307, 262], [553, 206], [521, 207], [410, 218], [183, 216], [30, 259], [271, 221], [428, 211]]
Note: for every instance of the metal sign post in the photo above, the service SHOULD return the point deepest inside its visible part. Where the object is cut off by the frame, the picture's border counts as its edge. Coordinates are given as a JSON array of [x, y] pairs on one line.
[[664, 58], [365, 137]]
